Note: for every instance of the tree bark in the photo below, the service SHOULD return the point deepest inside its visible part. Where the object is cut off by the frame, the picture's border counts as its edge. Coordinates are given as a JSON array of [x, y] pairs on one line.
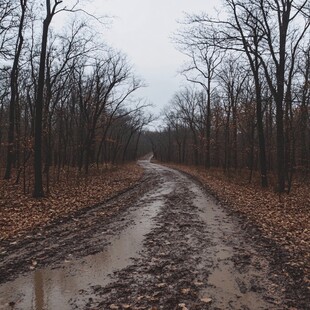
[[14, 90], [38, 183]]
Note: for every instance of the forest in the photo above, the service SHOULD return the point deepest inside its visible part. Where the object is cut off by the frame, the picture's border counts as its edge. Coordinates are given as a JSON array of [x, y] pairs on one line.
[[66, 98], [107, 203], [246, 106]]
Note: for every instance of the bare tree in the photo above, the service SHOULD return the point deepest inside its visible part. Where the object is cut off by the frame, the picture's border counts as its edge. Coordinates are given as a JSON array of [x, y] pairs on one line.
[[274, 32], [187, 103], [269, 33], [51, 10], [7, 24], [303, 115], [231, 78], [205, 58], [101, 96], [179, 130], [14, 90]]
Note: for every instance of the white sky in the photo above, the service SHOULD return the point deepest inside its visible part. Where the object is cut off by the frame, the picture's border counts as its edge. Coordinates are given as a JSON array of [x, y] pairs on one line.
[[142, 29]]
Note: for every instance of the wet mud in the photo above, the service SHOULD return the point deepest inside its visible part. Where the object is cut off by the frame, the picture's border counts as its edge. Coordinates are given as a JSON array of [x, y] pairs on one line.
[[165, 244]]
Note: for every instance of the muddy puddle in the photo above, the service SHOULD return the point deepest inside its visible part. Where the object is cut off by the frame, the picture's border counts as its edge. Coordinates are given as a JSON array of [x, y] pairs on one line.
[[238, 277], [61, 287], [189, 253]]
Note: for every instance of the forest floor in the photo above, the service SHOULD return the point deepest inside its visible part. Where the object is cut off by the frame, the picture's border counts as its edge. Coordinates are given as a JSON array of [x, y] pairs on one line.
[[164, 243], [21, 214]]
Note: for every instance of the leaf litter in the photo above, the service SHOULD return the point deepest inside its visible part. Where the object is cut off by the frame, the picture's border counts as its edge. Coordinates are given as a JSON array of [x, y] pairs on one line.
[[21, 214]]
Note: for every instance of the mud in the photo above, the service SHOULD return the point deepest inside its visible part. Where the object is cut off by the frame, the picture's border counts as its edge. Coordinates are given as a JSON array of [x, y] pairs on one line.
[[165, 244], [52, 288]]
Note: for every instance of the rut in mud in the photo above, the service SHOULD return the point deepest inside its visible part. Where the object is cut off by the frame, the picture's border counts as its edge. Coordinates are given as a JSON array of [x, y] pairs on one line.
[[174, 247]]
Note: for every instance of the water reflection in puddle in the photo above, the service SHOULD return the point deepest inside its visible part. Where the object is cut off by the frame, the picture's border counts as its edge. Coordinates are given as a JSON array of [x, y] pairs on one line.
[[53, 288]]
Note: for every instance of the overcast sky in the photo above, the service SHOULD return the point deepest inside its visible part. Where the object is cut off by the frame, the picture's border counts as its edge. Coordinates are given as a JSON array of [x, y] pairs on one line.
[[143, 29]]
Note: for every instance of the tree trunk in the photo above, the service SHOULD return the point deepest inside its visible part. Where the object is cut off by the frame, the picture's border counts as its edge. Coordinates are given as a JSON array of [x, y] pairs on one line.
[[137, 144], [261, 137], [208, 128], [38, 184], [14, 90]]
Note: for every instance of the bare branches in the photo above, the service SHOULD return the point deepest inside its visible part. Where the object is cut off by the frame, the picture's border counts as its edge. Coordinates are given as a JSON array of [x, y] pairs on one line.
[[265, 38], [8, 22]]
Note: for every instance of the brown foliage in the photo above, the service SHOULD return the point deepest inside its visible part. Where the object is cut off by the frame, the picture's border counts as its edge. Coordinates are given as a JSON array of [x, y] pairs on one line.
[[20, 213]]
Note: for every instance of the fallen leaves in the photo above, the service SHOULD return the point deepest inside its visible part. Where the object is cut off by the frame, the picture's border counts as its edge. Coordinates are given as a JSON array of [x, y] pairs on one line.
[[185, 291], [206, 300], [20, 213]]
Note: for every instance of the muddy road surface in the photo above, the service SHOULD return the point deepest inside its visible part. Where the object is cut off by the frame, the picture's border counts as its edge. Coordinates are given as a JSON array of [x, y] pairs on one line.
[[165, 244]]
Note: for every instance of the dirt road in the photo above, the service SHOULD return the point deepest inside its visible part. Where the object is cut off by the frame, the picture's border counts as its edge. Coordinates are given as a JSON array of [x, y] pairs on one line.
[[165, 244]]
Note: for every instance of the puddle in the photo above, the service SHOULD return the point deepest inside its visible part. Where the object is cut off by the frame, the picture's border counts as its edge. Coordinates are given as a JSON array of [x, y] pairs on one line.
[[233, 291], [54, 288], [227, 287]]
